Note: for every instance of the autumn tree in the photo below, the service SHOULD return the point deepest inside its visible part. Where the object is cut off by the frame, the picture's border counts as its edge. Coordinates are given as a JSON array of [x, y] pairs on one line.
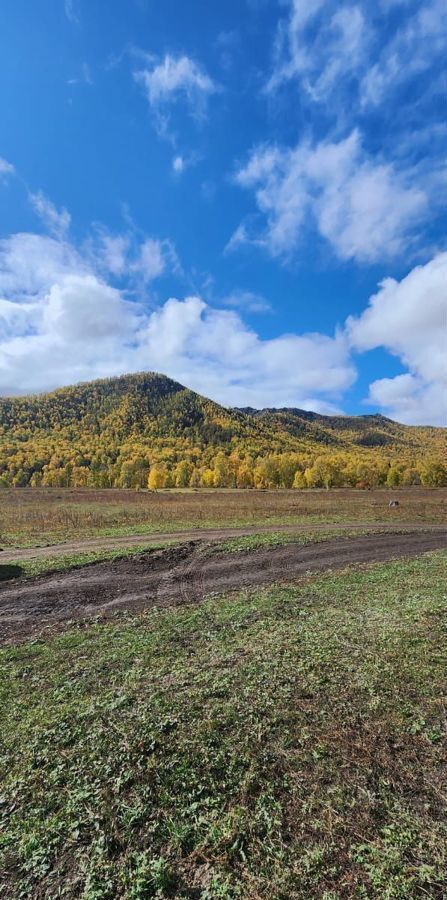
[[182, 474], [157, 478]]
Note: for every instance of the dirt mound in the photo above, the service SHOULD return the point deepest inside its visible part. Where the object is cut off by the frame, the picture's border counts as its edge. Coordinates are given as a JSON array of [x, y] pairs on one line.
[[183, 574]]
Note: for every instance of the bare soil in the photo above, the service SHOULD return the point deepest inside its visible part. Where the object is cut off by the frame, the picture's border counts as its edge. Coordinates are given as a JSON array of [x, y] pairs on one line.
[[183, 574], [195, 534]]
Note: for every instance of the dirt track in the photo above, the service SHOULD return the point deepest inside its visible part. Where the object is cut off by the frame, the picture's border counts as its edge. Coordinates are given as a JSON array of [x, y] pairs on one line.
[[198, 534], [183, 574]]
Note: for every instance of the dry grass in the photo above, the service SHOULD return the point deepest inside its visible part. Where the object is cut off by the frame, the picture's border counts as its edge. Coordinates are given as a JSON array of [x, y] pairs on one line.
[[46, 516]]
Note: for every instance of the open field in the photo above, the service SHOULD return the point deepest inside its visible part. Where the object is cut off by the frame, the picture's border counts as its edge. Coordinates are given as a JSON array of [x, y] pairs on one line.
[[195, 703], [284, 742], [31, 518]]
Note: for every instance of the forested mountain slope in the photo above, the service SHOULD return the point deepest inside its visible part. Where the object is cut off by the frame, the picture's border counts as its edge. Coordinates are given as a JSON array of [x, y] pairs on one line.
[[146, 428]]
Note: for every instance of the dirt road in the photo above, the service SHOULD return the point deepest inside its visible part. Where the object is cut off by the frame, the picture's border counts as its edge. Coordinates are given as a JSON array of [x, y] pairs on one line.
[[203, 534], [183, 574]]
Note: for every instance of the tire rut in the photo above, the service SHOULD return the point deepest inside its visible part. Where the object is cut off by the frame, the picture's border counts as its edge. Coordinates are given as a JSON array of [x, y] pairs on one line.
[[181, 575]]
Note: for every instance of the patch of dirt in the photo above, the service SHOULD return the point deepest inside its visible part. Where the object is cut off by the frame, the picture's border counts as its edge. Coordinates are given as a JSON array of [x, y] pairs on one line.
[[180, 575], [10, 555]]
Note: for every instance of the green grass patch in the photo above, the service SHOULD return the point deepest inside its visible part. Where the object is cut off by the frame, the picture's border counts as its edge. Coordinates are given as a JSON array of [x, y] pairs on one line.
[[278, 743], [45, 565], [273, 539]]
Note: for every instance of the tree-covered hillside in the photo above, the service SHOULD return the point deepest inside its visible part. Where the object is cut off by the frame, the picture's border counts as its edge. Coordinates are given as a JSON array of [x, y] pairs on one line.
[[146, 429]]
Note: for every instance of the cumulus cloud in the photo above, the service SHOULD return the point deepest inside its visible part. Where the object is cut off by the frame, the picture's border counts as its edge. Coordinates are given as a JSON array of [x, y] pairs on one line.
[[409, 319], [410, 400], [128, 256], [363, 207], [57, 221], [61, 322], [6, 169], [174, 79], [29, 263]]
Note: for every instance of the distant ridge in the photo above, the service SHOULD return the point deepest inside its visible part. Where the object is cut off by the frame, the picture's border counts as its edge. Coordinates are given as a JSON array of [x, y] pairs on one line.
[[121, 431]]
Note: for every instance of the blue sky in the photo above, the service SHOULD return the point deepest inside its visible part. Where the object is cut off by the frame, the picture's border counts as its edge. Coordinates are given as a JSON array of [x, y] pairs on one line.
[[248, 196]]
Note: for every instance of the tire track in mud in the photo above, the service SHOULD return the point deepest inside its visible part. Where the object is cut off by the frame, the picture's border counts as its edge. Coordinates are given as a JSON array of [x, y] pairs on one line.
[[181, 575], [18, 555]]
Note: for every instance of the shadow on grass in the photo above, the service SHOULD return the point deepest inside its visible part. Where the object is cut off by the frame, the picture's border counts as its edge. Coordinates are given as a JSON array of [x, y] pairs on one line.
[[7, 572]]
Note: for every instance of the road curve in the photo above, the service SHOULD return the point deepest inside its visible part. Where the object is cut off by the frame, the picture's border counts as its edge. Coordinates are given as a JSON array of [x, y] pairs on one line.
[[183, 574]]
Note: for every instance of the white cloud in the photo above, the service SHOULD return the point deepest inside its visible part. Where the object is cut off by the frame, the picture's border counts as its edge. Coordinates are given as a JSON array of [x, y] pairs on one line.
[[227, 44], [410, 400], [409, 319], [6, 169], [324, 43], [151, 259], [60, 322], [125, 255], [84, 78], [173, 79], [320, 43], [30, 263], [83, 308], [112, 252], [57, 221], [178, 164], [364, 208], [71, 11], [248, 301], [412, 50]]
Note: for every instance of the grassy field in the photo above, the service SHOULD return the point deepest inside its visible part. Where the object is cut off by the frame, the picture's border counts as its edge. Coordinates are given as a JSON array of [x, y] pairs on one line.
[[279, 743], [47, 516]]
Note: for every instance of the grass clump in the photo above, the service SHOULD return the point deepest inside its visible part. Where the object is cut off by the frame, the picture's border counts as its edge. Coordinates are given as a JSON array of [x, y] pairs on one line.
[[45, 565], [272, 539], [279, 743]]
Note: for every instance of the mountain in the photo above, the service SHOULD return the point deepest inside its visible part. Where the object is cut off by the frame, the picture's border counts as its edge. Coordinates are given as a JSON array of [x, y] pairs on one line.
[[119, 432], [351, 431]]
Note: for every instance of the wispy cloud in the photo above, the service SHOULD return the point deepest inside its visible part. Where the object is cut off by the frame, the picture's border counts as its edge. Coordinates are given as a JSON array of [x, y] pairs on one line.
[[57, 221], [327, 46], [320, 44], [176, 79], [84, 78], [415, 47], [247, 301], [6, 169], [361, 206], [71, 11]]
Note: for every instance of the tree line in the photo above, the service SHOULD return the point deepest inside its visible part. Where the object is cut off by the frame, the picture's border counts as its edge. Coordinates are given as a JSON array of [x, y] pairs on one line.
[[133, 467]]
